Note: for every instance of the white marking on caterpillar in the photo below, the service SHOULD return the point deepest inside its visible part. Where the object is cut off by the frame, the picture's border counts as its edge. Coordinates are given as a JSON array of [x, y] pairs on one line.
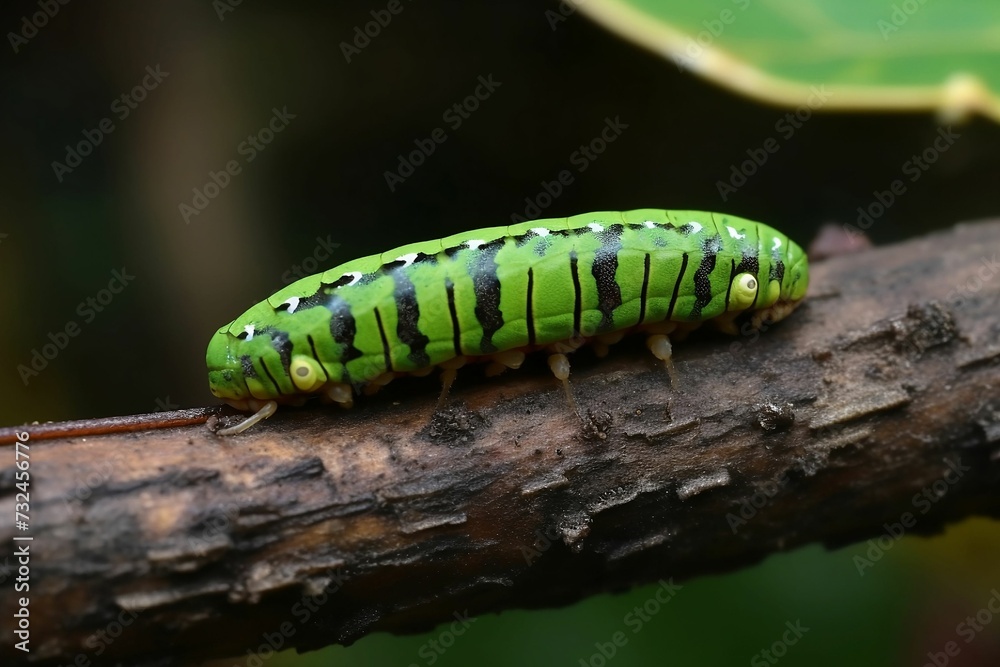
[[649, 224], [473, 244], [695, 227], [735, 233], [540, 231], [292, 303], [596, 228], [777, 243], [355, 277], [407, 259], [249, 329]]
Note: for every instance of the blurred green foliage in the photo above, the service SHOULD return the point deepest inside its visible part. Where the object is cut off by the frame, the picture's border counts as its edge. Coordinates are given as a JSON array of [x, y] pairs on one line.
[[908, 54]]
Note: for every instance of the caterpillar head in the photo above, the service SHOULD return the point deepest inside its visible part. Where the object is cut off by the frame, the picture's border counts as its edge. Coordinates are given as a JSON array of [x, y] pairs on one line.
[[250, 363], [227, 370], [786, 294], [770, 293]]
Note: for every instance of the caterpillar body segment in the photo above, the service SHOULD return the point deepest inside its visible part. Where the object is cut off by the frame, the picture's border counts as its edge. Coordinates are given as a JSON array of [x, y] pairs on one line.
[[491, 294]]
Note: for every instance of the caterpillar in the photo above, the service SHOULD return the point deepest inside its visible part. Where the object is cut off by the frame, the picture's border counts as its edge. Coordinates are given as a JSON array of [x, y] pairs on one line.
[[493, 294]]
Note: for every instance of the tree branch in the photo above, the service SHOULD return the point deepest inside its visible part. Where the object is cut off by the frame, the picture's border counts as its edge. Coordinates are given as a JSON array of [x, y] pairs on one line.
[[876, 401]]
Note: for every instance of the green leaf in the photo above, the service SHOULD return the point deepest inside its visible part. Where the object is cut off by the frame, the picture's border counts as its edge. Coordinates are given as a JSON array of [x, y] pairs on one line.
[[856, 55]]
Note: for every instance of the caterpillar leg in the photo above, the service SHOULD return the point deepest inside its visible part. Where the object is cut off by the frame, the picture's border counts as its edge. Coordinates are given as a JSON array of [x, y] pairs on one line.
[[265, 411], [569, 345], [378, 382], [504, 360], [341, 394], [660, 346], [448, 375], [559, 364], [726, 322], [602, 342]]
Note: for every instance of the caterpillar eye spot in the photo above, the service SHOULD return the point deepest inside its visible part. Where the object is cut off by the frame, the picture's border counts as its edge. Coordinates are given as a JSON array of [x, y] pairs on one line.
[[307, 374], [743, 292]]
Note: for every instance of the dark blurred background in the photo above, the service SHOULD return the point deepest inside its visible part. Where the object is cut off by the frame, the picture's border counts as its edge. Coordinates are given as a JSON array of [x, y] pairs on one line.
[[317, 195]]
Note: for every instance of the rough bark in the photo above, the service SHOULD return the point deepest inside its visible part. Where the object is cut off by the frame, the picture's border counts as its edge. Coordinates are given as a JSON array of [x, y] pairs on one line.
[[879, 396]]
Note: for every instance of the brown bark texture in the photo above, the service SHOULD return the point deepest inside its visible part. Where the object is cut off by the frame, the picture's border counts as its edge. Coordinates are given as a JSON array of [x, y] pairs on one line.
[[170, 545]]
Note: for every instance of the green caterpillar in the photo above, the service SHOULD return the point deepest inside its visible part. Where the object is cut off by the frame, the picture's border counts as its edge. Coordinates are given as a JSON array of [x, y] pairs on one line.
[[496, 293]]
